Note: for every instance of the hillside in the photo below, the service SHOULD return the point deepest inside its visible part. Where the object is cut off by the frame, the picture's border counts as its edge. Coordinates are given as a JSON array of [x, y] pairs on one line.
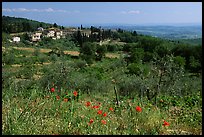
[[91, 81], [163, 31], [197, 41], [16, 25]]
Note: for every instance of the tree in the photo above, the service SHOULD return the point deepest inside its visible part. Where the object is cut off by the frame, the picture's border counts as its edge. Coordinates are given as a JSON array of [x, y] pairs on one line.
[[180, 61], [134, 33], [79, 38], [55, 25], [194, 65], [87, 52], [25, 36], [136, 55], [101, 50], [120, 30]]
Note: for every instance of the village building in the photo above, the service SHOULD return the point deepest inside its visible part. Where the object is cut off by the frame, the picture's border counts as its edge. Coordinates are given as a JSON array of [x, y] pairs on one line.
[[36, 36], [40, 29], [58, 34], [50, 33], [69, 31], [16, 39]]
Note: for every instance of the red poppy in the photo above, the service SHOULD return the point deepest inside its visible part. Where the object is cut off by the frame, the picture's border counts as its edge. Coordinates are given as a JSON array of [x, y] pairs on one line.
[[99, 112], [138, 109], [111, 109], [58, 97], [91, 121], [88, 103], [52, 89], [165, 123], [65, 99], [75, 93], [103, 122], [95, 106], [105, 114]]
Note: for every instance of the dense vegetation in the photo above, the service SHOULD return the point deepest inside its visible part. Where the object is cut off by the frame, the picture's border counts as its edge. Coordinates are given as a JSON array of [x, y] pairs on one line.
[[153, 87], [16, 25]]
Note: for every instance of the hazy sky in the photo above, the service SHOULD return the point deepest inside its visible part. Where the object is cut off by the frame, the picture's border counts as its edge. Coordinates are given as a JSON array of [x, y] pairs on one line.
[[69, 13]]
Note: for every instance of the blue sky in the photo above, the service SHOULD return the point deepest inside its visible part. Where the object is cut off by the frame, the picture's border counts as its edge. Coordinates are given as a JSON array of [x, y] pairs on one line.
[[76, 13]]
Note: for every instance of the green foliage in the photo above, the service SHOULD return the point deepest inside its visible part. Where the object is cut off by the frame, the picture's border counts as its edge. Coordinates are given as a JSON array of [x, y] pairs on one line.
[[194, 64], [148, 56], [138, 69], [55, 25], [27, 72], [79, 64], [100, 52], [180, 61], [136, 55], [87, 52], [149, 43], [162, 50], [156, 70], [192, 55], [91, 52], [8, 59], [112, 48], [5, 37], [135, 68], [57, 73], [128, 86], [16, 25]]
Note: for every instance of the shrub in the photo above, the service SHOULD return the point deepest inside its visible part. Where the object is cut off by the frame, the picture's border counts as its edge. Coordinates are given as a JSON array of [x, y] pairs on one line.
[[128, 85], [112, 48]]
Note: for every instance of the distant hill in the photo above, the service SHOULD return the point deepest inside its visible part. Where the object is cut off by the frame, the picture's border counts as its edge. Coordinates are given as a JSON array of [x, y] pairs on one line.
[[167, 32], [192, 41], [16, 25]]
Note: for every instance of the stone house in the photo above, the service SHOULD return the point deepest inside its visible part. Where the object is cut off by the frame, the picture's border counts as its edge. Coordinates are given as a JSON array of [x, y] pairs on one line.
[[36, 36]]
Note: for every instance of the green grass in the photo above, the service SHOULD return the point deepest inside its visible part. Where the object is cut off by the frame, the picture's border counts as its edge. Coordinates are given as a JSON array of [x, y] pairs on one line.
[[28, 106], [40, 114]]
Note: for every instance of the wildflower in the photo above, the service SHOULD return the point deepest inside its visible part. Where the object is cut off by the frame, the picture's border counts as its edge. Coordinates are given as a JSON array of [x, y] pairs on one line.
[[75, 93], [138, 109], [105, 114], [103, 122], [111, 109], [99, 112], [58, 97], [65, 99], [91, 121], [88, 103], [165, 123], [52, 89], [95, 106]]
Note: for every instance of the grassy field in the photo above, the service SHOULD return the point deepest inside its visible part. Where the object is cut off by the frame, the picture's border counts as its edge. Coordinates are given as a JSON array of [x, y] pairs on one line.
[[64, 96], [59, 112]]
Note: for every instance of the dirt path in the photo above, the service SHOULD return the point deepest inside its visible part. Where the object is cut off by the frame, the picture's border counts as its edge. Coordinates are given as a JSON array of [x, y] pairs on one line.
[[74, 53]]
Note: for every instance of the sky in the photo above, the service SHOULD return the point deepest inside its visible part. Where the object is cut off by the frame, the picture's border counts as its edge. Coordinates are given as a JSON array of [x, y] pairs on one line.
[[86, 13]]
